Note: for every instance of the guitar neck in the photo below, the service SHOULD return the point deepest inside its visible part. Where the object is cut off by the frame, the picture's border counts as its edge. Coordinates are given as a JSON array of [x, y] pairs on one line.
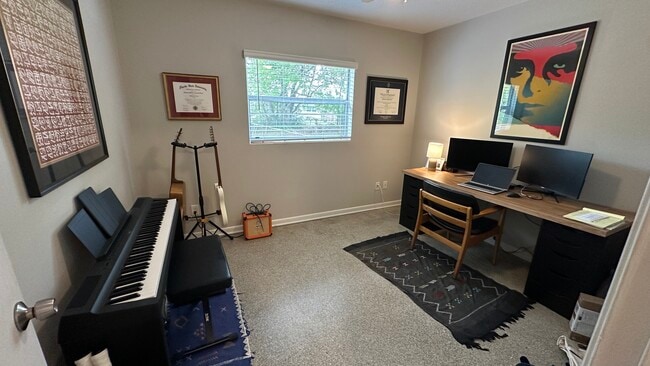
[[178, 135], [216, 158], [174, 180]]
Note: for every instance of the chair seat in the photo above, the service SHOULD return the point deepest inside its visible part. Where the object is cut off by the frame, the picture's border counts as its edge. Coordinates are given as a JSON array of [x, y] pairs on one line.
[[479, 226]]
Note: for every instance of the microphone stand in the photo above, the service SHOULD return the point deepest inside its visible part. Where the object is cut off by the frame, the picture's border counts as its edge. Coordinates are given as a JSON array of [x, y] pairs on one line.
[[202, 220]]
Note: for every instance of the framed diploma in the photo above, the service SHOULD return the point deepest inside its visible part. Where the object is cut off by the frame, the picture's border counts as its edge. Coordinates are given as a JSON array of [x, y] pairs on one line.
[[47, 92], [385, 100], [192, 97]]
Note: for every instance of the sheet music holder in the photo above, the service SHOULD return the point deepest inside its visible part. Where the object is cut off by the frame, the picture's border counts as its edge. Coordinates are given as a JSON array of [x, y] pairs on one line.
[[99, 212], [89, 234], [113, 204], [102, 216]]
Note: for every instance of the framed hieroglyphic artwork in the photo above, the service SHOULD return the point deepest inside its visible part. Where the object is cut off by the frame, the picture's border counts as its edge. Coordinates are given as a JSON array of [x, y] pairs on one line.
[[47, 92]]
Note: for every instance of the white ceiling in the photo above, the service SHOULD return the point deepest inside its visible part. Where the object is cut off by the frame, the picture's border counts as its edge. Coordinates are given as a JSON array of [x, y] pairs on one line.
[[419, 16]]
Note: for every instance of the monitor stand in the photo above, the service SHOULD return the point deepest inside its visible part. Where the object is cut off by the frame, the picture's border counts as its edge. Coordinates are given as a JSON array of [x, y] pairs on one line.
[[461, 173], [543, 191]]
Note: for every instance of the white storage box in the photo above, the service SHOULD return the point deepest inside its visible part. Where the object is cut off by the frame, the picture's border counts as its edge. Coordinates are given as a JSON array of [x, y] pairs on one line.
[[584, 318]]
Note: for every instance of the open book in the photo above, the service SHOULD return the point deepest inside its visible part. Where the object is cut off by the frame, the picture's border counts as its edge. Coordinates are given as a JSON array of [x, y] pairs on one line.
[[599, 219]]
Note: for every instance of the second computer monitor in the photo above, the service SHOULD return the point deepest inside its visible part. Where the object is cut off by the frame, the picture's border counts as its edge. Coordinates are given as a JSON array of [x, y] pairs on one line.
[[465, 154], [558, 171]]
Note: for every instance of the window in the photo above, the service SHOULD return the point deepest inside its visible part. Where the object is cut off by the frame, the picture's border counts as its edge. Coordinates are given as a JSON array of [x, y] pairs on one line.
[[298, 99]]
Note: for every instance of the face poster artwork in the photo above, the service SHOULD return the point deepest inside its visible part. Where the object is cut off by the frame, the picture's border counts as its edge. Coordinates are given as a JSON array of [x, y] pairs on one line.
[[539, 85]]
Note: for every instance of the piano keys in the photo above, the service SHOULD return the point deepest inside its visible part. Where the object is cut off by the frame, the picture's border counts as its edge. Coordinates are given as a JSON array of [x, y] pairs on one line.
[[120, 304]]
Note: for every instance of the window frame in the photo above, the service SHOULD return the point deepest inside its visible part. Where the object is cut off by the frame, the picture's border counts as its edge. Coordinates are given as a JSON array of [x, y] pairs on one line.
[[303, 60]]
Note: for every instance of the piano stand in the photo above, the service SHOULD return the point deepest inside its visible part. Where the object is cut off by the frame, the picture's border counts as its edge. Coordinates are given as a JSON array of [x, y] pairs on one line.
[[198, 269]]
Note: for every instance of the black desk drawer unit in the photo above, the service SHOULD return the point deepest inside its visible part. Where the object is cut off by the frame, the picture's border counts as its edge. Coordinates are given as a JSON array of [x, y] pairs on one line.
[[408, 213], [567, 262]]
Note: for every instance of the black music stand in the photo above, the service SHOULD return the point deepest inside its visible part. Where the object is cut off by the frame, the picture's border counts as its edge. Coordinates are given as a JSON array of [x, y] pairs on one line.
[[202, 221]]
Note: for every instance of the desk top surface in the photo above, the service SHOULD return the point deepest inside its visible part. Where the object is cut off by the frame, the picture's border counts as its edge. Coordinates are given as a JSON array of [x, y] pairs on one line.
[[546, 208]]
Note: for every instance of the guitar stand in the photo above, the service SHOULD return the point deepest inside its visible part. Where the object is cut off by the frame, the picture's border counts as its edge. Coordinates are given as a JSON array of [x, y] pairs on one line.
[[202, 220]]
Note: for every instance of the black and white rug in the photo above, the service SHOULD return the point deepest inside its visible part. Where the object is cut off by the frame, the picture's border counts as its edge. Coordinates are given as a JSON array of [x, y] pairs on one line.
[[472, 306]]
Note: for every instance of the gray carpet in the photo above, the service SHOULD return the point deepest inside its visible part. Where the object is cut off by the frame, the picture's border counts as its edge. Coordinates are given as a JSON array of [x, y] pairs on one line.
[[308, 302]]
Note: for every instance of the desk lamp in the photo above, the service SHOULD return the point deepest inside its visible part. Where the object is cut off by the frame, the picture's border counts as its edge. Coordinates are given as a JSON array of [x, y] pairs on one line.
[[435, 160]]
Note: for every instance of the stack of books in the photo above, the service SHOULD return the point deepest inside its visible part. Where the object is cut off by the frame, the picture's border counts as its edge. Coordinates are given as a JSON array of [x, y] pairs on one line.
[[599, 219]]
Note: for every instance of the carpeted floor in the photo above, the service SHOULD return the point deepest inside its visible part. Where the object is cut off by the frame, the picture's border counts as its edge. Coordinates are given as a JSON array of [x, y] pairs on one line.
[[308, 302]]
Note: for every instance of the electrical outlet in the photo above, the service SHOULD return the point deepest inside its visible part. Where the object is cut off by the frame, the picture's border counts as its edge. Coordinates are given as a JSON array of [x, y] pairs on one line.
[[377, 186], [196, 210], [384, 184]]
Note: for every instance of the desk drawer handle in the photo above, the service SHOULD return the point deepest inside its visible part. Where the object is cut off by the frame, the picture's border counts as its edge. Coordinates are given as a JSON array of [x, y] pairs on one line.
[[559, 274], [564, 255], [566, 242]]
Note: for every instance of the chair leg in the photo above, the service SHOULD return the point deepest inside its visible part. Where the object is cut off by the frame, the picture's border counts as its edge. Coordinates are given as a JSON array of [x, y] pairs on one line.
[[459, 261], [418, 222], [415, 234], [497, 245], [497, 238]]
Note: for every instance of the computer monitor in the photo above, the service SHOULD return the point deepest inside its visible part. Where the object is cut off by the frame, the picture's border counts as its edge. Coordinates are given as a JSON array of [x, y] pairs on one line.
[[557, 171], [465, 154]]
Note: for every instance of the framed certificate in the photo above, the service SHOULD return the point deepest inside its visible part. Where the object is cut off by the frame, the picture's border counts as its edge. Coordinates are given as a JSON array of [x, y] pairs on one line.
[[192, 97], [385, 100]]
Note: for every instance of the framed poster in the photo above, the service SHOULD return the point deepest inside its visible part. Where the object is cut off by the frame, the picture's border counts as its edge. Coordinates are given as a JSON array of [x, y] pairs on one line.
[[385, 100], [539, 84], [47, 92], [192, 97]]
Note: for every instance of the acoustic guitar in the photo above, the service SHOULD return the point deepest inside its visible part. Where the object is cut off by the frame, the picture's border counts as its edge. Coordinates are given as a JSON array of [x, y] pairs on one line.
[[218, 187], [177, 187]]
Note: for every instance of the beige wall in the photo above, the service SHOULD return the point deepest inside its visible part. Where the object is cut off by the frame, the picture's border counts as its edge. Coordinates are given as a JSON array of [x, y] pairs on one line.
[[461, 70], [43, 254], [208, 37], [457, 86]]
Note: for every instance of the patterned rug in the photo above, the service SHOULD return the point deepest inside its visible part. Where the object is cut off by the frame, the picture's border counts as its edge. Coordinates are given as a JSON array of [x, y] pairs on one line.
[[197, 325], [472, 306]]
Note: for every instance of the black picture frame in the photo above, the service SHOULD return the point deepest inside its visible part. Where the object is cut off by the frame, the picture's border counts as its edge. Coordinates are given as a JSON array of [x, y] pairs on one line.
[[382, 105], [48, 94], [539, 84]]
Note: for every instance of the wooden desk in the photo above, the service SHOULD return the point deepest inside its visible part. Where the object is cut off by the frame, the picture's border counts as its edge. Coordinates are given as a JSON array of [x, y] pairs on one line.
[[570, 257]]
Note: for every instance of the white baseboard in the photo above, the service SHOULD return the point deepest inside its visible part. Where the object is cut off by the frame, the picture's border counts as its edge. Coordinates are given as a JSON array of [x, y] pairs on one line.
[[315, 216]]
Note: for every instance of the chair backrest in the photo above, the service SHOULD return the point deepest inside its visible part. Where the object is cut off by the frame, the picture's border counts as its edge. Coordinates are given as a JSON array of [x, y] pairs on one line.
[[451, 195]]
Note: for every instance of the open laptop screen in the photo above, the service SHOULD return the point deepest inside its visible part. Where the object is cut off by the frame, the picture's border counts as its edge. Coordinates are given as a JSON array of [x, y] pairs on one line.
[[493, 175]]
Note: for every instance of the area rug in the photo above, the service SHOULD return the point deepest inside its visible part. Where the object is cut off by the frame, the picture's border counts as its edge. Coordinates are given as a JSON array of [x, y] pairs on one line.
[[195, 327], [472, 306]]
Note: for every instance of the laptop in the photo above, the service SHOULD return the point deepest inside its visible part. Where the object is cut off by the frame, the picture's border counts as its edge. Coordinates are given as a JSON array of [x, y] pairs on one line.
[[490, 178]]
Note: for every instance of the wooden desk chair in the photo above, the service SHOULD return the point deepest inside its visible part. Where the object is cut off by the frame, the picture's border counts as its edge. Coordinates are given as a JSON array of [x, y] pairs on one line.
[[453, 216]]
